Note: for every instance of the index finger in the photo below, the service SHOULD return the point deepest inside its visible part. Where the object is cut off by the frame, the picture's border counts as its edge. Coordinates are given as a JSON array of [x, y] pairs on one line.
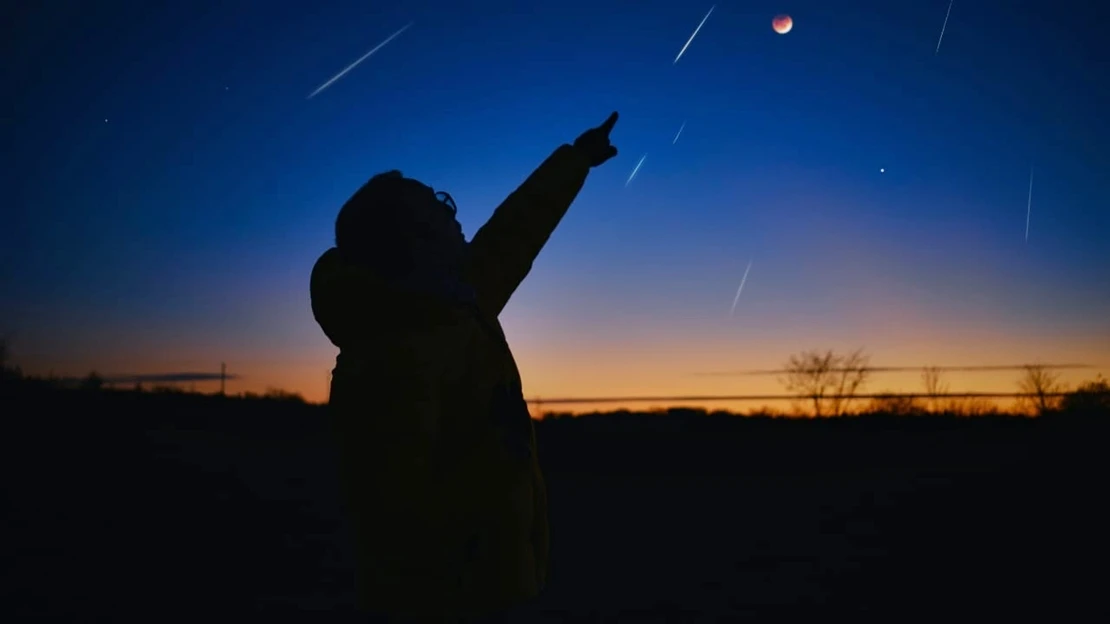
[[610, 122]]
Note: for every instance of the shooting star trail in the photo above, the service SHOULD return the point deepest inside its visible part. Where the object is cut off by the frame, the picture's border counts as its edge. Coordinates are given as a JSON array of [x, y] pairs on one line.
[[945, 25], [355, 64], [634, 170], [688, 41], [679, 133], [1029, 204], [738, 290]]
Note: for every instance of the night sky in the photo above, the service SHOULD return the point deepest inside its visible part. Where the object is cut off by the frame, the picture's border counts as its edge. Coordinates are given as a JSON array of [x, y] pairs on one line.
[[173, 183]]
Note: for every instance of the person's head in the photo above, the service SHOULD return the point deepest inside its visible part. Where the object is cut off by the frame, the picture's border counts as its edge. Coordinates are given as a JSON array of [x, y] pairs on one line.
[[399, 224]]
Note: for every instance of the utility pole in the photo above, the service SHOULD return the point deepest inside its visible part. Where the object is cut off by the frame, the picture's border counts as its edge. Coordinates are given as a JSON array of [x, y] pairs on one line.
[[223, 378]]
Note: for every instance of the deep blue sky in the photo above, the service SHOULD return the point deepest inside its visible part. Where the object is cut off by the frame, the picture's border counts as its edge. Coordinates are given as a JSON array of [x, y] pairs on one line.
[[181, 231]]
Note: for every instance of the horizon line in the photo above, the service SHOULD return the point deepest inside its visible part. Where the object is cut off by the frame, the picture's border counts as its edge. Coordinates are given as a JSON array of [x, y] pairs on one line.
[[795, 397]]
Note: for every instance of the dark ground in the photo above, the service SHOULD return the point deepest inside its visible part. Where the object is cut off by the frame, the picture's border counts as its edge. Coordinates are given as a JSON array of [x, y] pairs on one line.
[[126, 506]]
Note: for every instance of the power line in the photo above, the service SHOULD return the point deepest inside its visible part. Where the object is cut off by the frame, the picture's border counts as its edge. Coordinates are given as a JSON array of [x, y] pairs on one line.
[[899, 369], [796, 397]]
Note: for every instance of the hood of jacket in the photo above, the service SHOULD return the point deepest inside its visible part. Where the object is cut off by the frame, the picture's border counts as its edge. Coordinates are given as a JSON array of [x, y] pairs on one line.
[[358, 305]]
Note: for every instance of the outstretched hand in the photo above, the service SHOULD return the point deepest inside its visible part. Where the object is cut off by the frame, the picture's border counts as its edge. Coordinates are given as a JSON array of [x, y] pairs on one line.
[[594, 143]]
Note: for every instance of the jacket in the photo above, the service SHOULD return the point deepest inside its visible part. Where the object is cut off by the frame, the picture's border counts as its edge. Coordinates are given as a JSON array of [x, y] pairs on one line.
[[437, 450]]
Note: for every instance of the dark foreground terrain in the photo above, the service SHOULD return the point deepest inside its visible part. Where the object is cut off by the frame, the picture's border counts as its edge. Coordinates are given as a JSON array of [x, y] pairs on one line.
[[130, 506]]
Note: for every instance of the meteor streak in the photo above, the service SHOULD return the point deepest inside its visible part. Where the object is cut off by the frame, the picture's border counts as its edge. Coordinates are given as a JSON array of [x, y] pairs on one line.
[[945, 25], [355, 64], [1029, 204], [738, 290], [683, 50], [637, 168], [679, 133]]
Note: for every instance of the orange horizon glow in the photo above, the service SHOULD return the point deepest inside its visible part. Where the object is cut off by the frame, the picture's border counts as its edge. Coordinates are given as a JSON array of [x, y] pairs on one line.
[[569, 341], [562, 376]]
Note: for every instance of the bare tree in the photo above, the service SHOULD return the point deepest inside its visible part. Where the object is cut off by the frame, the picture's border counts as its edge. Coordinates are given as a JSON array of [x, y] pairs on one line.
[[827, 379], [809, 375], [1042, 384], [934, 387], [853, 374]]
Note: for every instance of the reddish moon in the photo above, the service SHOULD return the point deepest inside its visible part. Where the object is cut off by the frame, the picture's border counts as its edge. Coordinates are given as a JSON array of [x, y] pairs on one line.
[[782, 24]]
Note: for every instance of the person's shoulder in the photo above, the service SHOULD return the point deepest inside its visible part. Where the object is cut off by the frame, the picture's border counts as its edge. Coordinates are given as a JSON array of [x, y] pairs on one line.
[[328, 259], [333, 268], [327, 263], [327, 273], [347, 293]]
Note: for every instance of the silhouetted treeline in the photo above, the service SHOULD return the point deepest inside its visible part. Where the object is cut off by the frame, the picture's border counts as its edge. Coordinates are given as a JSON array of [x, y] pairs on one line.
[[227, 504], [677, 439], [1090, 399]]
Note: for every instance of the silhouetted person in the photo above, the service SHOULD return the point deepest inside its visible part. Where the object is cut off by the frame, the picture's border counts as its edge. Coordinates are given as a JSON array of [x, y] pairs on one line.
[[437, 449]]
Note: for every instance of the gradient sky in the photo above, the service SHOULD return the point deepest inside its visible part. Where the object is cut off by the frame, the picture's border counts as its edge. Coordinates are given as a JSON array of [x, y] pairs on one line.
[[173, 185]]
